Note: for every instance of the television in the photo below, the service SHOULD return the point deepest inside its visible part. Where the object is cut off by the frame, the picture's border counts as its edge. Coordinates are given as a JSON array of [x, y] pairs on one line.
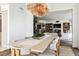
[[57, 25]]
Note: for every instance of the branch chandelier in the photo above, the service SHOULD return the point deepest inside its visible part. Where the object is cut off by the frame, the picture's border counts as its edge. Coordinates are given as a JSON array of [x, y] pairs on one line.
[[38, 9]]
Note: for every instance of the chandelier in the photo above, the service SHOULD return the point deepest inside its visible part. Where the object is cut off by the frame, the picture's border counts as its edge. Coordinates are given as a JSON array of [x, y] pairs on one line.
[[38, 9]]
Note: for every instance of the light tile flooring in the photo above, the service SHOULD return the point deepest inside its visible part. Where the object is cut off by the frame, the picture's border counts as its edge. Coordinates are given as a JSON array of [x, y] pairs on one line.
[[76, 52], [65, 43], [6, 52]]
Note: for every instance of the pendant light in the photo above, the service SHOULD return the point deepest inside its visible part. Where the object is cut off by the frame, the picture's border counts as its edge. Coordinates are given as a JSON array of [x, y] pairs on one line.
[[38, 9]]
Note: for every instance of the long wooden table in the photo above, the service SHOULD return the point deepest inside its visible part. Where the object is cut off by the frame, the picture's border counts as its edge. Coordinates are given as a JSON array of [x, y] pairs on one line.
[[41, 47], [36, 49]]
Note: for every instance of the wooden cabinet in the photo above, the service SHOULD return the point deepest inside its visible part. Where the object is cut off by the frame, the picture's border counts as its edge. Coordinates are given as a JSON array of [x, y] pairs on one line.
[[49, 27], [45, 27], [53, 27], [66, 27], [41, 27]]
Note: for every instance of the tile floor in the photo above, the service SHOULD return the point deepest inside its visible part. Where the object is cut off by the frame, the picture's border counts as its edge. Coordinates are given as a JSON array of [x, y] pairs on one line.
[[7, 52]]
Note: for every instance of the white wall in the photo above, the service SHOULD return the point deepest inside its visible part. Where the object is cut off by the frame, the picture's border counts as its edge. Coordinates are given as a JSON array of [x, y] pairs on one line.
[[20, 23], [76, 26], [29, 24], [4, 34]]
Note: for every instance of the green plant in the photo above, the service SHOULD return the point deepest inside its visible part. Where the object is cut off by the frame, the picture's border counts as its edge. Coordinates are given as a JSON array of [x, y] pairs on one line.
[[38, 35]]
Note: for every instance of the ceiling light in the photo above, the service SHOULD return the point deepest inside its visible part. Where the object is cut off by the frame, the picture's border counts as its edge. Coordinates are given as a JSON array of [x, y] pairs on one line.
[[38, 9]]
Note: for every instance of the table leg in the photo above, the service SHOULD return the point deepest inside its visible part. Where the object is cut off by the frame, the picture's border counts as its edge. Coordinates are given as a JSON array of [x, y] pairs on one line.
[[17, 51], [12, 52]]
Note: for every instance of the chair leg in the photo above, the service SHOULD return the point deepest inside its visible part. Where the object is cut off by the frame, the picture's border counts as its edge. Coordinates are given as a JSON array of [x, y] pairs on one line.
[[56, 53], [58, 47], [58, 50]]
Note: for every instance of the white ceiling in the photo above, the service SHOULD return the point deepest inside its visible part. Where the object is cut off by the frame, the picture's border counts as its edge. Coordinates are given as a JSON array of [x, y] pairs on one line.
[[58, 15]]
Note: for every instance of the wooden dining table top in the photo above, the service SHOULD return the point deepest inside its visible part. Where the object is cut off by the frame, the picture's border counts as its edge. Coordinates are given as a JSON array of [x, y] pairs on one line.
[[41, 47]]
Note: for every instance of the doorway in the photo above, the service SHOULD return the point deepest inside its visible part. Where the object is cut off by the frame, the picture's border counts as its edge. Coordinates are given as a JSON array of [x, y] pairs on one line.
[[4, 26]]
